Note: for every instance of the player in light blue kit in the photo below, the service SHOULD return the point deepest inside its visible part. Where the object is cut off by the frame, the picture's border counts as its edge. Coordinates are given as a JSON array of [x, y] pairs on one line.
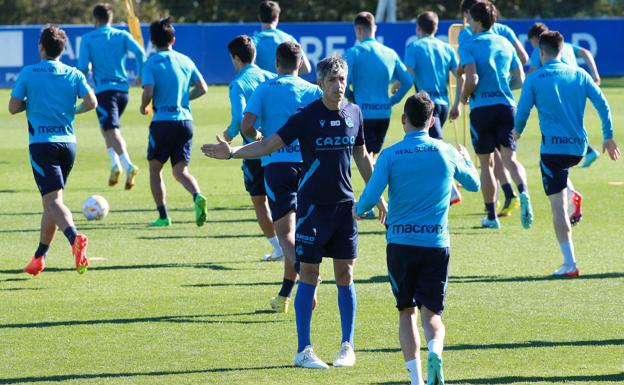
[[492, 70], [106, 49], [270, 37], [560, 92], [47, 91], [419, 172], [270, 106], [171, 80], [249, 76], [569, 55]]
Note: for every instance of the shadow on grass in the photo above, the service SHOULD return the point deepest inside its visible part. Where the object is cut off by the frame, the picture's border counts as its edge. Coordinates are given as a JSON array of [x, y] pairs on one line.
[[530, 278], [375, 279], [521, 379], [20, 288], [146, 210], [95, 376], [226, 236], [211, 266], [14, 279], [180, 319], [518, 345]]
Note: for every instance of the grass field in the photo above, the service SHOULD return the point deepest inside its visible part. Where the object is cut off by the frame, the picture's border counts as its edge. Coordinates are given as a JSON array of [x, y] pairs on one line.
[[188, 305]]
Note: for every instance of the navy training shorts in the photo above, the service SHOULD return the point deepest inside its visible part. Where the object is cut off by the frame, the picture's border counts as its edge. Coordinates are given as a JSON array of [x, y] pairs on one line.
[[491, 127], [281, 181], [111, 105], [51, 164], [440, 112], [555, 168], [253, 174], [170, 139], [375, 133]]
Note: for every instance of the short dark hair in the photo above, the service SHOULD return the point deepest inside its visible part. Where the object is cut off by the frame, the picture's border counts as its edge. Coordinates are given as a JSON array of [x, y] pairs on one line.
[[364, 19], [428, 22], [485, 13], [536, 30], [418, 109], [103, 13], [466, 5], [289, 55], [243, 47], [551, 42], [268, 11], [162, 32], [53, 40], [330, 65]]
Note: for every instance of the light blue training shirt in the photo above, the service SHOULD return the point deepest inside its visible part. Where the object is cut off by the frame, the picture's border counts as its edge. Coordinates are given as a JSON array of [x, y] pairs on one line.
[[266, 42], [172, 74], [431, 60], [372, 67], [568, 55], [494, 58], [560, 92], [50, 89], [273, 102], [106, 49], [419, 171], [499, 29]]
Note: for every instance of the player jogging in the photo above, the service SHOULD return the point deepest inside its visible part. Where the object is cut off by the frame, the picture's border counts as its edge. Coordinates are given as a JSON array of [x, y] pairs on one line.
[[569, 55], [249, 76], [270, 37], [47, 91], [492, 70], [560, 92], [106, 49], [172, 81], [329, 132], [419, 173]]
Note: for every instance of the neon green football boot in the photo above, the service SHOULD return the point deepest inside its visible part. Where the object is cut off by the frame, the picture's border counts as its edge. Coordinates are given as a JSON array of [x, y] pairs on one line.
[[161, 222], [201, 212]]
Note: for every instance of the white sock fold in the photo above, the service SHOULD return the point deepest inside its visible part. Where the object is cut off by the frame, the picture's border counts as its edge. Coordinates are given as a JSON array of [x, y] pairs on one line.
[[113, 157], [567, 249], [415, 371], [125, 159], [436, 346], [277, 249]]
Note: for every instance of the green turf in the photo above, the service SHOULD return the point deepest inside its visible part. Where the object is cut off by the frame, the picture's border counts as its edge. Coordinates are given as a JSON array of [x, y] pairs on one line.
[[188, 305]]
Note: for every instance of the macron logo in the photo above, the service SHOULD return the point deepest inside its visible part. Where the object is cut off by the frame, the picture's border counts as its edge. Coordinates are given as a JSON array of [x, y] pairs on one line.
[[322, 122]]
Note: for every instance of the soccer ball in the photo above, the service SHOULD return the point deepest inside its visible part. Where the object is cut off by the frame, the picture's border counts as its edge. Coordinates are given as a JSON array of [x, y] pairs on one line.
[[95, 207]]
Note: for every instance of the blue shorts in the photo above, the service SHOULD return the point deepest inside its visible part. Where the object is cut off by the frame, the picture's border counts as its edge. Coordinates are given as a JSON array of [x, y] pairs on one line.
[[418, 275], [440, 112], [253, 173], [375, 133], [281, 181], [554, 169], [51, 164], [491, 127], [325, 231], [111, 104], [170, 139]]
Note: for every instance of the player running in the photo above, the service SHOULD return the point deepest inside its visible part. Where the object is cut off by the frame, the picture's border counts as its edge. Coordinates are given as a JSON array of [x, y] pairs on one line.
[[329, 132], [492, 70], [419, 173], [560, 92], [249, 76], [106, 49], [270, 37], [47, 91], [172, 80], [569, 55]]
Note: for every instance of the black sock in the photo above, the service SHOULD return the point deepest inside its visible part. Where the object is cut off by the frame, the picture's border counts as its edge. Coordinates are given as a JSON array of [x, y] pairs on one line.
[[508, 190], [522, 188], [491, 211], [162, 211], [70, 233], [589, 149], [287, 287], [41, 250], [195, 196]]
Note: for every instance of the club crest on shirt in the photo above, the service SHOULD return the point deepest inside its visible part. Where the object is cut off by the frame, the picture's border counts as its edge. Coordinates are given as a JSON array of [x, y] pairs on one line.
[[349, 121]]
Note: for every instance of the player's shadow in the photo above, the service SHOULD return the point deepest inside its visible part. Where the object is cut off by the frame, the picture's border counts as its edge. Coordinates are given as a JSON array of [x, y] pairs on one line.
[[600, 378], [374, 279], [530, 278], [179, 319], [517, 345], [207, 236], [158, 373], [14, 280], [20, 288], [211, 266]]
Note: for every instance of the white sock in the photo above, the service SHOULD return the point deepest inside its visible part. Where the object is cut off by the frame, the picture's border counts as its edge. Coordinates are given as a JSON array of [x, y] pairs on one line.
[[113, 157], [277, 249], [415, 371], [570, 187], [436, 346], [567, 249], [125, 160]]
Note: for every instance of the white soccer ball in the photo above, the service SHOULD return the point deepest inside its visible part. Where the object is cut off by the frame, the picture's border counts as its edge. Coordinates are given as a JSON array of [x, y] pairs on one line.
[[95, 208]]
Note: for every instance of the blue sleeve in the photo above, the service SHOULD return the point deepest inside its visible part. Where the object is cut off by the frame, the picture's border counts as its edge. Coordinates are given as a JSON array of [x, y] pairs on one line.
[[410, 60], [195, 74], [508, 33], [350, 59], [148, 75], [237, 106], [465, 55], [463, 35], [137, 50], [292, 129], [526, 103], [534, 60], [318, 93], [83, 56], [465, 172], [375, 186], [83, 86], [19, 89], [359, 138], [404, 77], [454, 63], [515, 60], [599, 101], [254, 104], [576, 49]]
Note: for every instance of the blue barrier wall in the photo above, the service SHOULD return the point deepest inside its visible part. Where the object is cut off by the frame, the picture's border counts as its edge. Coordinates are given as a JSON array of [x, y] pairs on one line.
[[206, 43]]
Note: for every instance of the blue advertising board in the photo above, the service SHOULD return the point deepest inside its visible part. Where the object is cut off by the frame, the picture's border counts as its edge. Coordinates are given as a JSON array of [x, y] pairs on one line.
[[206, 43]]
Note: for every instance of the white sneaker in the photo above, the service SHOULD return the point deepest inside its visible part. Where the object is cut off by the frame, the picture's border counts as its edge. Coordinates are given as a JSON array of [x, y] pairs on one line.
[[346, 356], [273, 257], [307, 359], [490, 223], [567, 271]]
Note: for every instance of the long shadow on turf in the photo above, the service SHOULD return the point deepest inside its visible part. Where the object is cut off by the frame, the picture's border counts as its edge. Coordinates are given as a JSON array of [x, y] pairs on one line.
[[211, 266], [529, 278], [518, 345], [519, 379], [194, 318], [225, 236], [69, 377], [375, 279], [146, 210]]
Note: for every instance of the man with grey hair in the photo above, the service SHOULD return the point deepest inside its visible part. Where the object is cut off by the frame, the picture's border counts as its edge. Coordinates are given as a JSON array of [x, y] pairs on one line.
[[330, 131]]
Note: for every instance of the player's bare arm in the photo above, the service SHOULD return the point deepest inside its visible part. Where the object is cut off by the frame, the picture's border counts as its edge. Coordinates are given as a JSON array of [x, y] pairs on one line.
[[198, 89], [470, 83], [586, 55], [521, 52], [222, 150], [610, 147], [89, 102], [247, 126], [146, 98], [364, 163], [16, 106], [455, 112], [517, 78]]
